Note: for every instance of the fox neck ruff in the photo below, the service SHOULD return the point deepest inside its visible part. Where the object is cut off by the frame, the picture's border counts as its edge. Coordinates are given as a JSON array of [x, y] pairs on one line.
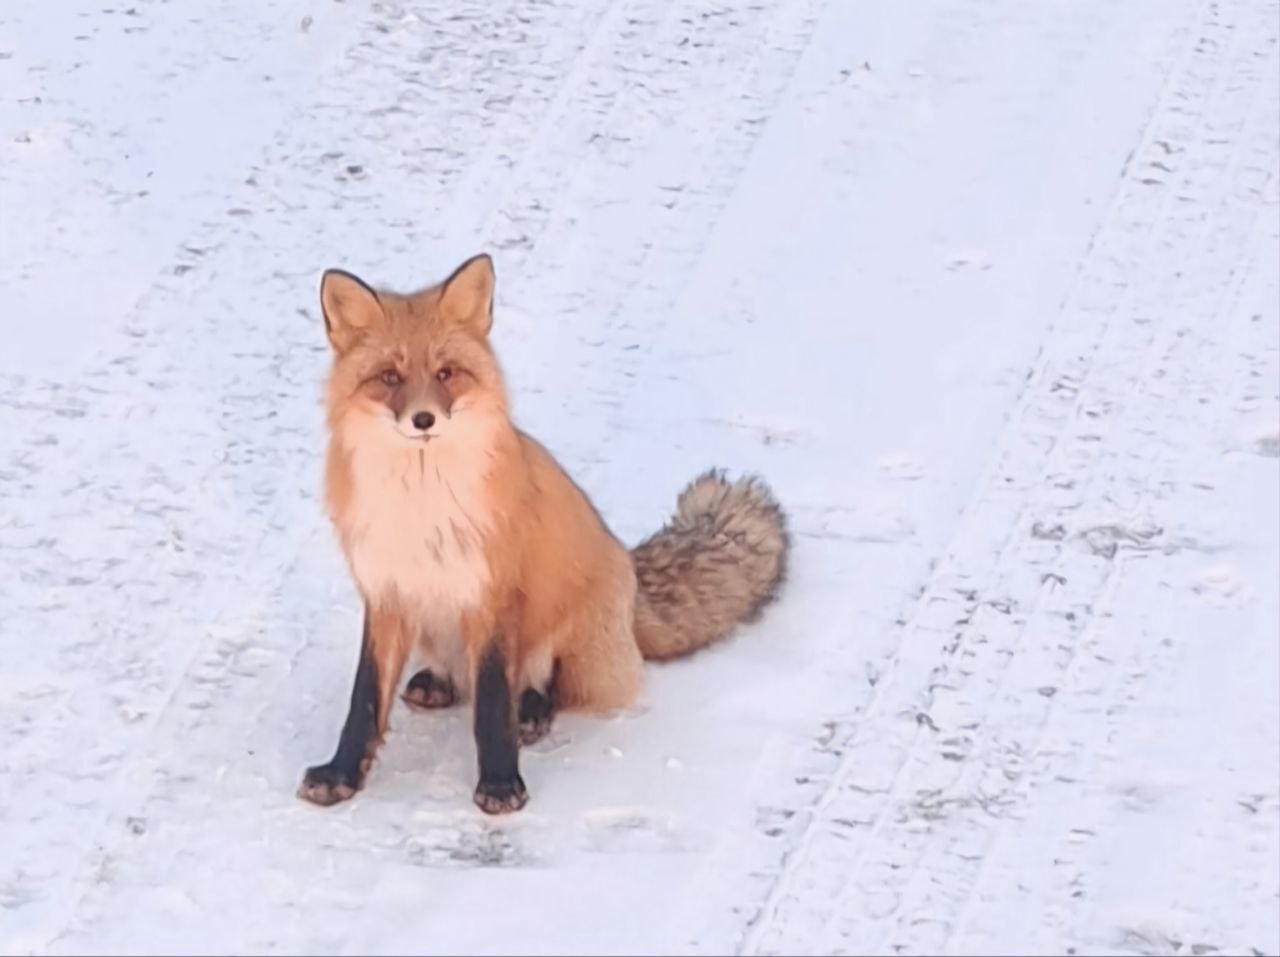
[[418, 517]]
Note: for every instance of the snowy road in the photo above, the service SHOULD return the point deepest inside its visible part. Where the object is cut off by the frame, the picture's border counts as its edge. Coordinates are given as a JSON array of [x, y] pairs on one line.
[[989, 292]]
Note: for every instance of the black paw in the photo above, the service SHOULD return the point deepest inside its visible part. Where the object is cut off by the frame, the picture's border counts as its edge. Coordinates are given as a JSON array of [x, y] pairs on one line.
[[536, 711], [501, 797], [429, 690], [326, 784]]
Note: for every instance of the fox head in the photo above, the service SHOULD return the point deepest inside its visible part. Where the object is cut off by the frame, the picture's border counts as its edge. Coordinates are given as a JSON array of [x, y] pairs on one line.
[[416, 368]]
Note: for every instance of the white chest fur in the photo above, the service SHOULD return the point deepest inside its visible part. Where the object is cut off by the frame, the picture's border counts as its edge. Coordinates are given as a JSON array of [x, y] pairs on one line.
[[415, 527]]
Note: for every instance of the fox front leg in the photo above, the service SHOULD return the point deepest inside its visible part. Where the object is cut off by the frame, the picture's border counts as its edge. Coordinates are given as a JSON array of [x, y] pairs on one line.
[[501, 789], [383, 650]]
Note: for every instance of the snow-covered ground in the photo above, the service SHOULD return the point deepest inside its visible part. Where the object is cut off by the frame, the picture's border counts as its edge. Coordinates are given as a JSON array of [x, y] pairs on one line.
[[989, 292]]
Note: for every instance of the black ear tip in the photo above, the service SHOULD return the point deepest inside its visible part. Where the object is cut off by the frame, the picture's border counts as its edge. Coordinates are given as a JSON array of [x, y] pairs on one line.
[[469, 265], [335, 273]]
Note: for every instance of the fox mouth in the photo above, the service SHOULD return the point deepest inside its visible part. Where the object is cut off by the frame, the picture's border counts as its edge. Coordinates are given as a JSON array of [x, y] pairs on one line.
[[420, 437]]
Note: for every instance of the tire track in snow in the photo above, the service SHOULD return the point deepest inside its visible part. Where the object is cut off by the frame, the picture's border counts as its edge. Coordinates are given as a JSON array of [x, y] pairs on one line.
[[902, 828], [1123, 517], [1211, 340], [1115, 663]]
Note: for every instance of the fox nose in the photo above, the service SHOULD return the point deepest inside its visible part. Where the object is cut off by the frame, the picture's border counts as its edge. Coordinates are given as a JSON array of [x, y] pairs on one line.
[[423, 421]]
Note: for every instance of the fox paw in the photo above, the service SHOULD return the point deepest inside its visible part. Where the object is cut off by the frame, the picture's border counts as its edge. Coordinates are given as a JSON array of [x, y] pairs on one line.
[[535, 716], [501, 797], [429, 690], [325, 784], [531, 732]]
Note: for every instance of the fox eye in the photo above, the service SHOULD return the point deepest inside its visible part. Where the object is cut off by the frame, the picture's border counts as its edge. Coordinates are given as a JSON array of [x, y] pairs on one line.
[[445, 374], [391, 378]]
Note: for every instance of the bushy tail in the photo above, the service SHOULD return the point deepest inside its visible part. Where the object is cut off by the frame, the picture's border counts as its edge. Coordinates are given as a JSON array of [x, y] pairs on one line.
[[717, 563]]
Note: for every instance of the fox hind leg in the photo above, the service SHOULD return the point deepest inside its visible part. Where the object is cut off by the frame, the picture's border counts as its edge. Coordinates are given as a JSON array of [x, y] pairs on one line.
[[537, 708], [600, 672], [431, 689]]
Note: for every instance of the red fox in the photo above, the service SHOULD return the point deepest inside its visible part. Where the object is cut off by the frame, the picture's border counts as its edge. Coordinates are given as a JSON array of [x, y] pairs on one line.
[[473, 548]]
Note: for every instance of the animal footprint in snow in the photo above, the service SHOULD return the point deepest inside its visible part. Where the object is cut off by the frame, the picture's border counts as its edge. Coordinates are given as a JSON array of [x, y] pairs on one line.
[[1222, 584], [969, 259], [450, 840], [900, 465], [630, 829]]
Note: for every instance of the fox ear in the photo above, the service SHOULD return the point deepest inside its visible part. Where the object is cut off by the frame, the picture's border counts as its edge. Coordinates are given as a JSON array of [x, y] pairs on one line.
[[467, 296], [350, 307]]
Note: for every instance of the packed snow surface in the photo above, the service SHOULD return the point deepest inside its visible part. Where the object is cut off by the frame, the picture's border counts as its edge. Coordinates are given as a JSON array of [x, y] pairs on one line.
[[988, 292]]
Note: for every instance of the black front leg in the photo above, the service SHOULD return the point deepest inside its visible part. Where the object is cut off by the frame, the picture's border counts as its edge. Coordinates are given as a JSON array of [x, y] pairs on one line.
[[344, 775], [500, 789]]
